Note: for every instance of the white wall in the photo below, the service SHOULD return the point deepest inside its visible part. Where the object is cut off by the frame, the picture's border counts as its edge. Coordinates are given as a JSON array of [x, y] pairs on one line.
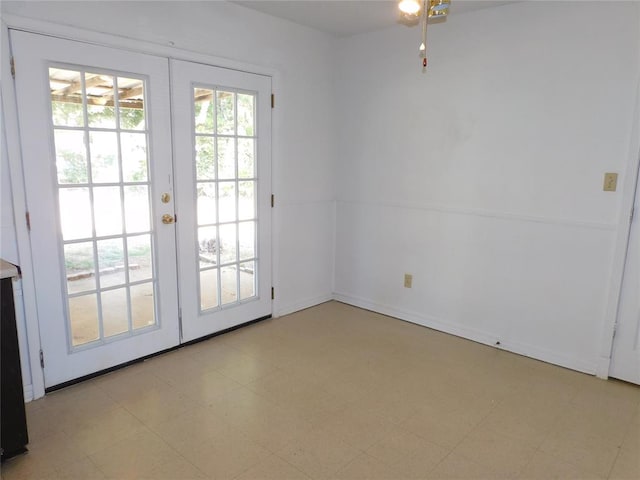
[[483, 177], [303, 135]]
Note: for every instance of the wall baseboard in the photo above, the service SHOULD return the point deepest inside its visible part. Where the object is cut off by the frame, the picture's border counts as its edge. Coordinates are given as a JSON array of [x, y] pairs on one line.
[[301, 305], [28, 393], [486, 338]]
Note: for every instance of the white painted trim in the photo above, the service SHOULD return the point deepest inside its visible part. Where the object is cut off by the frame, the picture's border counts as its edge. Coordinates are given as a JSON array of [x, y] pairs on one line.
[[301, 305], [275, 211], [14, 150], [623, 230], [285, 203], [130, 44], [479, 336], [477, 212], [334, 246], [28, 393]]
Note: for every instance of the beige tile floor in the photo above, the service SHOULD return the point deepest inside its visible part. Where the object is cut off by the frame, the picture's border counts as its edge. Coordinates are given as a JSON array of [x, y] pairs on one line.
[[335, 392]]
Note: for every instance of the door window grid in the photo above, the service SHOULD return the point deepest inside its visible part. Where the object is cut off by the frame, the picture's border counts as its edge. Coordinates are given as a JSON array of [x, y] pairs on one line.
[[106, 115], [226, 224]]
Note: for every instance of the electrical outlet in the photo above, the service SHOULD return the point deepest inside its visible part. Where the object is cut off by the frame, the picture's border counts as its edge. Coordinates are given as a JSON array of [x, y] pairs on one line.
[[610, 182], [408, 280]]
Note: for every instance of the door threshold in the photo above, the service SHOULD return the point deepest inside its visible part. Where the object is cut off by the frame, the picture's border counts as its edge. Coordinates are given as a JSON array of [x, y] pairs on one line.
[[99, 373]]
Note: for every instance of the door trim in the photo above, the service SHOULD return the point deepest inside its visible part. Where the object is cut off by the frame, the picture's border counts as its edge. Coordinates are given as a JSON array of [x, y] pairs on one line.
[[9, 104], [14, 151], [623, 231]]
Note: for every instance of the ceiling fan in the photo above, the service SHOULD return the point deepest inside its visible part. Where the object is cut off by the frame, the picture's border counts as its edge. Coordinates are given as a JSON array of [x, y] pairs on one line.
[[422, 11]]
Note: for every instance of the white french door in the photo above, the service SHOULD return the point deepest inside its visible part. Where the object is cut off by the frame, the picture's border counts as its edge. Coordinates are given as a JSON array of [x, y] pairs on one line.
[[625, 359], [96, 130], [223, 178]]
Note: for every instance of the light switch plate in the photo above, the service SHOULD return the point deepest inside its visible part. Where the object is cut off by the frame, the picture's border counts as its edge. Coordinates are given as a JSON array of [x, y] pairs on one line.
[[408, 280], [610, 182]]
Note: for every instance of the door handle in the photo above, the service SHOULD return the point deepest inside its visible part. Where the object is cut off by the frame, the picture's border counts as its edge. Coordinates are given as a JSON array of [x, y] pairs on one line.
[[168, 219]]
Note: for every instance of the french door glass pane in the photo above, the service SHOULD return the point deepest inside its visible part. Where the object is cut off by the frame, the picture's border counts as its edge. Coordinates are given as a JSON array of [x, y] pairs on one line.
[[111, 262], [99, 89], [103, 197], [71, 156], [247, 280], [246, 114], [80, 267], [206, 203], [205, 158], [104, 157], [84, 320], [136, 208], [131, 103], [225, 108], [224, 136], [139, 255], [229, 286], [247, 200], [66, 103], [134, 156], [75, 213], [115, 312], [208, 289], [246, 157], [226, 158], [247, 240], [107, 211], [142, 305], [227, 201]]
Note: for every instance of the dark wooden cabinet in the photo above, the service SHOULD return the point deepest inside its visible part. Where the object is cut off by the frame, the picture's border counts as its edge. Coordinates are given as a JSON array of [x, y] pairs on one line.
[[13, 429]]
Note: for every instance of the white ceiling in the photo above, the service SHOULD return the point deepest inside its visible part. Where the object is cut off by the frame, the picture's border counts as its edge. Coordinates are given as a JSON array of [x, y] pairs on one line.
[[343, 18]]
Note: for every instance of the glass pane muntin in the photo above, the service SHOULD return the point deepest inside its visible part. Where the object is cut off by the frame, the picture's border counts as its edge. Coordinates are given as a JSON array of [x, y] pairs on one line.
[[226, 132], [121, 94]]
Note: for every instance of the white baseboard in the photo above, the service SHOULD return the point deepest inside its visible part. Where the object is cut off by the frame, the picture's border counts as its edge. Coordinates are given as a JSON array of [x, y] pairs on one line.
[[604, 364], [301, 305], [486, 338], [28, 393]]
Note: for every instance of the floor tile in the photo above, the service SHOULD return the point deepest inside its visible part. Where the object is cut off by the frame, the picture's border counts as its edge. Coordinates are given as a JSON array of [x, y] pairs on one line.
[[157, 406], [104, 430], [495, 450], [458, 467], [409, 455], [319, 454], [365, 467], [357, 426], [188, 431], [45, 455], [83, 469], [273, 468], [593, 454], [400, 447], [444, 428], [548, 467], [226, 456], [135, 457], [627, 465]]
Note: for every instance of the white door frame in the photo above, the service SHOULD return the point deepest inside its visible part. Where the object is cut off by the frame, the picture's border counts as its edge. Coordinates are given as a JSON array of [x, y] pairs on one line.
[[623, 231], [14, 149]]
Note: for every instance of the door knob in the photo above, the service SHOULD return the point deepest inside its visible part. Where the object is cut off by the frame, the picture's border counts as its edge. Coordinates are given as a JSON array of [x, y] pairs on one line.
[[167, 219]]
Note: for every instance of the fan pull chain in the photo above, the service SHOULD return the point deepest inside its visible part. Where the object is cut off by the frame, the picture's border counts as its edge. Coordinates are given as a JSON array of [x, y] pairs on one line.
[[423, 45]]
